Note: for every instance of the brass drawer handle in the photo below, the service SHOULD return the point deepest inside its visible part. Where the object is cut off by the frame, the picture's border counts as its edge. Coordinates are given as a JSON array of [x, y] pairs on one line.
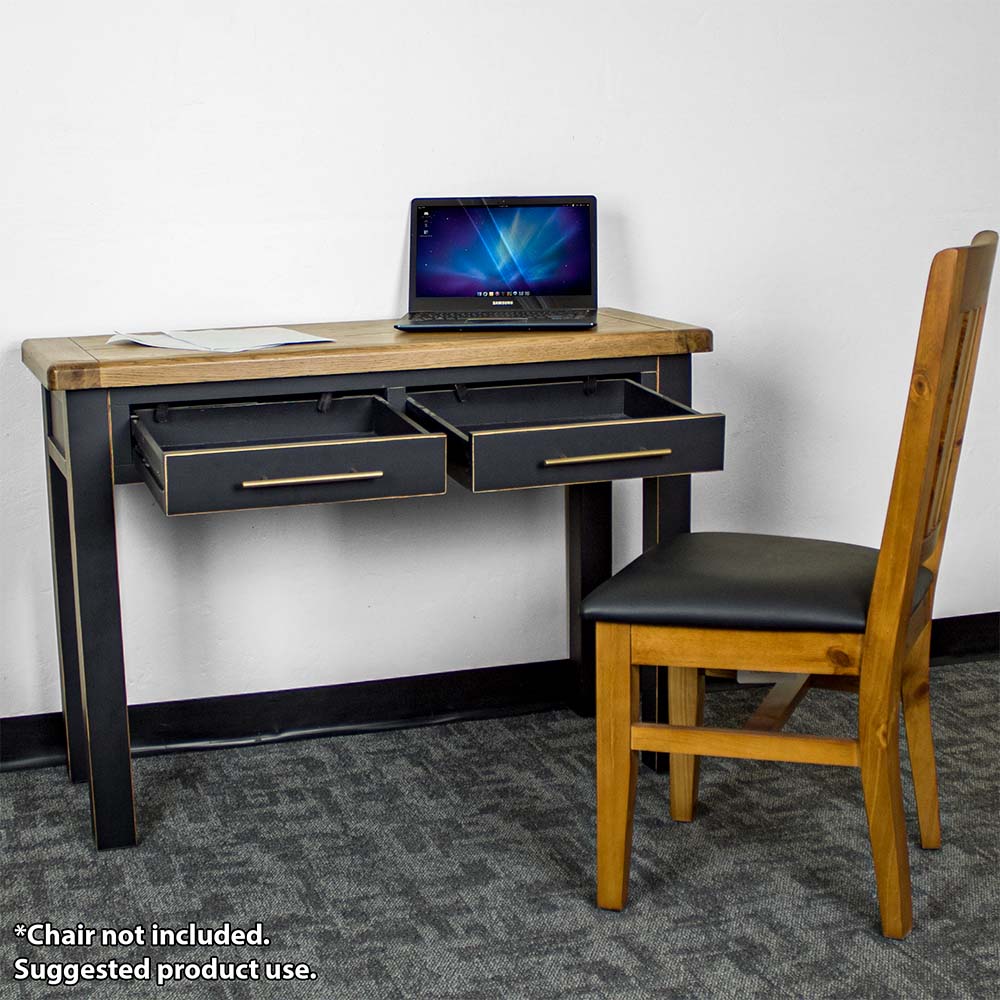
[[334, 477], [611, 456]]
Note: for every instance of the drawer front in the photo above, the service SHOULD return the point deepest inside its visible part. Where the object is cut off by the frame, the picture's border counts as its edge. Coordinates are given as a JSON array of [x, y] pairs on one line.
[[622, 449], [205, 480]]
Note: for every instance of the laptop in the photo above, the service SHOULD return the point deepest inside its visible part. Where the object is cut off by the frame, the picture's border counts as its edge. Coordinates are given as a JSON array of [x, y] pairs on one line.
[[502, 264]]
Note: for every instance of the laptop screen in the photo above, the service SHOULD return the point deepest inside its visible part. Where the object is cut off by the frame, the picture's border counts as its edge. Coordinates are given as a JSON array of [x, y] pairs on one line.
[[508, 248]]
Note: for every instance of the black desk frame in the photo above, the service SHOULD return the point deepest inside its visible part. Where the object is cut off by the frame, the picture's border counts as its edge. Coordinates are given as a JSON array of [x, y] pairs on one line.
[[89, 450]]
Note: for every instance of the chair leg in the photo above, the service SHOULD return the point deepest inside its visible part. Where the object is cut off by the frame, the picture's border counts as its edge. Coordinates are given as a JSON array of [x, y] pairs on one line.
[[919, 740], [685, 707], [883, 791], [617, 763]]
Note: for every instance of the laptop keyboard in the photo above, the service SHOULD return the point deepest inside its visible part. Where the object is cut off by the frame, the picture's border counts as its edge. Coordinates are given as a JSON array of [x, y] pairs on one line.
[[497, 316]]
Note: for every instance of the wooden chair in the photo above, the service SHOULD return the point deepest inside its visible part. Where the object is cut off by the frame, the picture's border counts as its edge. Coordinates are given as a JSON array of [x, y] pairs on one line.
[[821, 613]]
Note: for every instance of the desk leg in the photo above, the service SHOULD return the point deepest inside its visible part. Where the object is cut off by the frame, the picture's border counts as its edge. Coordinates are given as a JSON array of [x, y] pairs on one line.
[[666, 511], [93, 546], [65, 601], [588, 534]]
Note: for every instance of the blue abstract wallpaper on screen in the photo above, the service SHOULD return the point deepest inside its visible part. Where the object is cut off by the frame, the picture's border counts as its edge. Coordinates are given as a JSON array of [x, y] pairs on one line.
[[534, 249]]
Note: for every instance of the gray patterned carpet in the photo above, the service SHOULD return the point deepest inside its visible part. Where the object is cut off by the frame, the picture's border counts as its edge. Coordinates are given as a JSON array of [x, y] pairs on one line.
[[457, 861]]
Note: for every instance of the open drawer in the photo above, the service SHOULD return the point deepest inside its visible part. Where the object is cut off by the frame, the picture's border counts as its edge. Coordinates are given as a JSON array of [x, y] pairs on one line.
[[521, 436], [197, 459]]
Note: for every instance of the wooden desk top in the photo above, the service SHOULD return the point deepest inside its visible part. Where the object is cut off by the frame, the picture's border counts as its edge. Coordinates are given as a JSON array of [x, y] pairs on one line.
[[368, 346]]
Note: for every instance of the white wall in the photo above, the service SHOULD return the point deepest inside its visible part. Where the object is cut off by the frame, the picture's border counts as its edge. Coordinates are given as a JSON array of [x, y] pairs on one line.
[[781, 172]]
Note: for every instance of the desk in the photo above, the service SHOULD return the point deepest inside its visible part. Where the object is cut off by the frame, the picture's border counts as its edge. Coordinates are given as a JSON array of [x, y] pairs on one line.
[[96, 396]]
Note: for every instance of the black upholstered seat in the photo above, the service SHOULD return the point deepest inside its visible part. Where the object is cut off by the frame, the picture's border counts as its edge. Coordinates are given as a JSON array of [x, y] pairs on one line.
[[731, 580]]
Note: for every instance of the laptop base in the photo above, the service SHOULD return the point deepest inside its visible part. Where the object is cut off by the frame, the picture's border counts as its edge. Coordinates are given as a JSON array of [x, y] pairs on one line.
[[418, 323]]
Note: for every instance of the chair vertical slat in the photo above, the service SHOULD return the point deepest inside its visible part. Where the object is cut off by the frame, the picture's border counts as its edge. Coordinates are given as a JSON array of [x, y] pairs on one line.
[[932, 559], [956, 398]]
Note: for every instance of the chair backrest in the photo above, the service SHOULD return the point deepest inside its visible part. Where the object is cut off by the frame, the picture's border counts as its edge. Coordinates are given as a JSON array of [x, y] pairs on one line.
[[933, 428]]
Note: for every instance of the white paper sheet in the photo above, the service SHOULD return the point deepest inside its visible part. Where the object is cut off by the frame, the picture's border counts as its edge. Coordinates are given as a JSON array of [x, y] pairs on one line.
[[250, 338]]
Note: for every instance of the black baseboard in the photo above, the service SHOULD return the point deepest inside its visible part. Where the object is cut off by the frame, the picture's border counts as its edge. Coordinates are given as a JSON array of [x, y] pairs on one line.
[[368, 706], [277, 716], [965, 637]]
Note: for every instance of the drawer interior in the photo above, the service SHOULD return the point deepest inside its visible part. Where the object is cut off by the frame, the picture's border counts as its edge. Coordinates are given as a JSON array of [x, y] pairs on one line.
[[485, 408], [234, 425]]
